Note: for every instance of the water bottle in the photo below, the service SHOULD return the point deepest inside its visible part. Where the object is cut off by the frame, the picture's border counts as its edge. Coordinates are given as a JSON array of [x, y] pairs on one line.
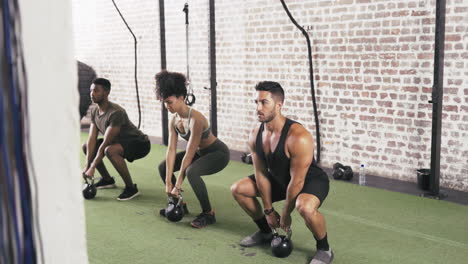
[[362, 175]]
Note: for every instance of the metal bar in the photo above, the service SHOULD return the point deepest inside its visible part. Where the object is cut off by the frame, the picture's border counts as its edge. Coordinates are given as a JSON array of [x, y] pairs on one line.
[[162, 36], [437, 96], [213, 84]]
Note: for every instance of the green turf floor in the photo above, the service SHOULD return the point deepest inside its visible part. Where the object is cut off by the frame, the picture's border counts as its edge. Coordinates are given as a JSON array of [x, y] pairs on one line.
[[365, 225]]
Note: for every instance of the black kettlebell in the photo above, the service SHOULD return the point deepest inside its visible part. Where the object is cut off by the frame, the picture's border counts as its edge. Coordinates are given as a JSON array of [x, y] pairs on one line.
[[281, 245], [246, 158], [348, 173], [174, 211], [89, 189], [342, 172], [338, 171]]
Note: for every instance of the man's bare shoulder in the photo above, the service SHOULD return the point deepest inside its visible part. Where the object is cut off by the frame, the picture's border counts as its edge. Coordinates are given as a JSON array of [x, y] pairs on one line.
[[298, 134]]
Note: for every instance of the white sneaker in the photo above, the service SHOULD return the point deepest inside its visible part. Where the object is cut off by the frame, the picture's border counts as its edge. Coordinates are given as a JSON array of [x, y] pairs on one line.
[[256, 238], [322, 257]]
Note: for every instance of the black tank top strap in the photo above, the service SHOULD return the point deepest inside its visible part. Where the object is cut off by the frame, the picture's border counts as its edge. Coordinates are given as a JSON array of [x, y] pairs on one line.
[[284, 134], [314, 162], [259, 144]]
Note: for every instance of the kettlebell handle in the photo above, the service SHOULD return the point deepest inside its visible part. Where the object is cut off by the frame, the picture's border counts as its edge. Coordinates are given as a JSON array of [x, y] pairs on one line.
[[273, 230], [91, 179], [179, 202], [288, 234]]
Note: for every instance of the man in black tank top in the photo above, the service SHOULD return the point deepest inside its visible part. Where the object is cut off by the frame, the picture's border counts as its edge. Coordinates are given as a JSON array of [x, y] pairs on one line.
[[285, 169]]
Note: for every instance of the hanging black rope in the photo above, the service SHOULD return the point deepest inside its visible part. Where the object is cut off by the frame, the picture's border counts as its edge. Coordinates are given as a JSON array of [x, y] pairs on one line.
[[311, 73], [136, 62]]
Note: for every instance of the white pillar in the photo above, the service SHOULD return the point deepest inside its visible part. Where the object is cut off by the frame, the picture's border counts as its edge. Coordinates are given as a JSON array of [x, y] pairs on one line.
[[55, 139]]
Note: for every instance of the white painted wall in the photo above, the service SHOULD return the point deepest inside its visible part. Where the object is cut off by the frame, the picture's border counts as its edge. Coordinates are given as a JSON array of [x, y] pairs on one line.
[[53, 105]]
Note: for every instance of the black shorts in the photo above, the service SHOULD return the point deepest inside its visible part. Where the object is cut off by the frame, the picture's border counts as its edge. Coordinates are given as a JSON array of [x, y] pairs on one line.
[[316, 184], [133, 150]]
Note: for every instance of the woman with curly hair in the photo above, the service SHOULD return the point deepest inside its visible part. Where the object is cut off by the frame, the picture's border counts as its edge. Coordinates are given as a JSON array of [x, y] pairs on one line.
[[204, 155]]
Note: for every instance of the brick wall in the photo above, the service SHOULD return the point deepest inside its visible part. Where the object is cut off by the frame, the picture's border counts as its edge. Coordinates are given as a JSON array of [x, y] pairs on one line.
[[373, 67]]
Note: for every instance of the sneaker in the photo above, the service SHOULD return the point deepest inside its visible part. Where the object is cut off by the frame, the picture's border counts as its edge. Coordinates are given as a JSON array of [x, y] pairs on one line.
[[322, 257], [162, 212], [255, 239], [203, 220], [129, 193], [105, 183]]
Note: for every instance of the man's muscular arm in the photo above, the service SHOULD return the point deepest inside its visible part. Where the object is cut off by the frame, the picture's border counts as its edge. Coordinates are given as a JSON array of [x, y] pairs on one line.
[[300, 147]]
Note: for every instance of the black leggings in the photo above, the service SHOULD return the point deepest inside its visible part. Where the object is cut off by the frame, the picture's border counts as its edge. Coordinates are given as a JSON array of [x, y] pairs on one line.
[[207, 161]]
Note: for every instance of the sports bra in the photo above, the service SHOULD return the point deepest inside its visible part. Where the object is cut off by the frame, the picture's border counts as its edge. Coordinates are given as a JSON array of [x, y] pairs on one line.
[[205, 134]]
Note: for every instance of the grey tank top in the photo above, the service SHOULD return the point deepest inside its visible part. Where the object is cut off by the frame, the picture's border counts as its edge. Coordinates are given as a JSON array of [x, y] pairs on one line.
[[186, 136]]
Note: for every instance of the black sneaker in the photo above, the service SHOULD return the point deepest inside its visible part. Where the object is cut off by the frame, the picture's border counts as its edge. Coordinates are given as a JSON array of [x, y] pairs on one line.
[[162, 212], [105, 183], [204, 219], [129, 193]]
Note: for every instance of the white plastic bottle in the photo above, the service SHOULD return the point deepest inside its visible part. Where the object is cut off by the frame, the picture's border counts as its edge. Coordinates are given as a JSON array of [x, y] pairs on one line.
[[362, 175]]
